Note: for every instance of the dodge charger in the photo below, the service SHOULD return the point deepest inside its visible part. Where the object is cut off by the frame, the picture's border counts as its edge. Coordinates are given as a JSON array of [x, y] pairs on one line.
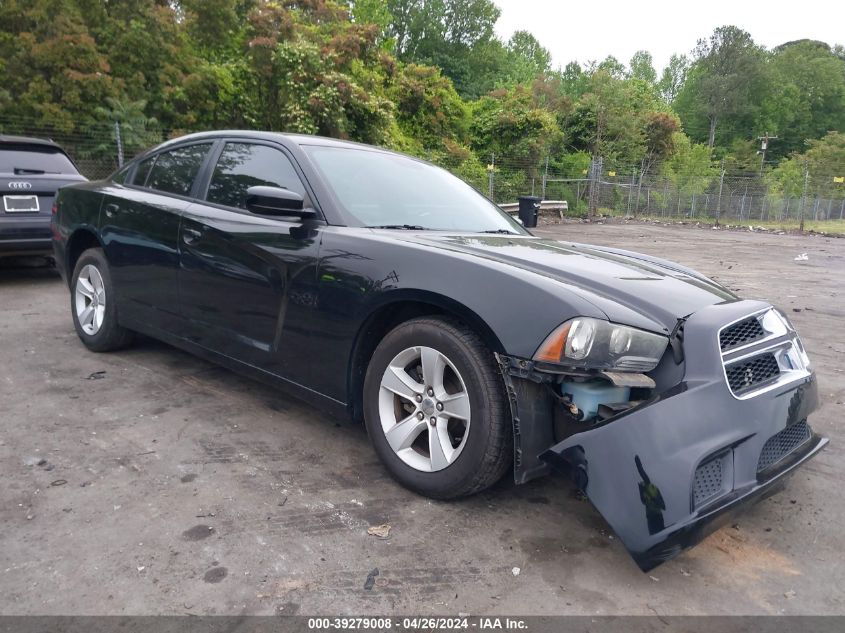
[[382, 288]]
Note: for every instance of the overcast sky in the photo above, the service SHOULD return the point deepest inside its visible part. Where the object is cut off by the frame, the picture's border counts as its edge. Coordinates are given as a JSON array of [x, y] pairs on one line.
[[593, 29]]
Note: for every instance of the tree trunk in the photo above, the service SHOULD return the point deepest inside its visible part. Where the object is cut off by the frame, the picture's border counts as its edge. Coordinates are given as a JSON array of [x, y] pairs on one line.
[[711, 140]]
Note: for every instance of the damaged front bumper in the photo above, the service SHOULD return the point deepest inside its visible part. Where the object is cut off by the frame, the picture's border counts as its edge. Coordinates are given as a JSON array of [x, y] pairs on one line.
[[670, 471]]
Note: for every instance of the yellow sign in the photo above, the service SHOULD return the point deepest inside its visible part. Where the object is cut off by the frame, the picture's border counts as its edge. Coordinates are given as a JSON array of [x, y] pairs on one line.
[[839, 179], [611, 173]]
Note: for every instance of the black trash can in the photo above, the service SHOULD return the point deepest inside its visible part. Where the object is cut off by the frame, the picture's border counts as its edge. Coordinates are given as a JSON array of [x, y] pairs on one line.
[[529, 209]]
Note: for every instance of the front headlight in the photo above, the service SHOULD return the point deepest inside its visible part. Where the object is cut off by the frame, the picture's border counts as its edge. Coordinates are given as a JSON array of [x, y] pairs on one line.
[[595, 344]]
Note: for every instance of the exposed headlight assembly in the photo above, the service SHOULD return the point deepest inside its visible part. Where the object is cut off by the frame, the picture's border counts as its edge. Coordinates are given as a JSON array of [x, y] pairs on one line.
[[586, 343]]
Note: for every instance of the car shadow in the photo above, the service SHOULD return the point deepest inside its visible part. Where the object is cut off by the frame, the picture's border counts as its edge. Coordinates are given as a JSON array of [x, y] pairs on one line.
[[18, 271]]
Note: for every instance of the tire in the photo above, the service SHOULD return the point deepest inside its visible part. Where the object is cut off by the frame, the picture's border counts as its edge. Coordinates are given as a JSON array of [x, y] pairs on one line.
[[474, 445], [91, 289]]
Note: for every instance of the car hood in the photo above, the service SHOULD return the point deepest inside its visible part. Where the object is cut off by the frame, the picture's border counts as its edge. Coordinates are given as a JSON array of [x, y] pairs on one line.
[[626, 286]]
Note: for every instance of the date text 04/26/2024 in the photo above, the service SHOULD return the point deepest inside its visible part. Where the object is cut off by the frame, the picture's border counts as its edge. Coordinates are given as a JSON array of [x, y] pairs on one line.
[[417, 623]]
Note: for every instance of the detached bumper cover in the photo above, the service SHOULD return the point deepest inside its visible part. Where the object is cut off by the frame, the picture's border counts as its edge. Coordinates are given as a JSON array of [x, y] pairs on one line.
[[667, 473]]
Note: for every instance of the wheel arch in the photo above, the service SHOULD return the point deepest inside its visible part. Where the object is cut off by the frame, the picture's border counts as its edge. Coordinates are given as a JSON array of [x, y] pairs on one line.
[[80, 241], [398, 307]]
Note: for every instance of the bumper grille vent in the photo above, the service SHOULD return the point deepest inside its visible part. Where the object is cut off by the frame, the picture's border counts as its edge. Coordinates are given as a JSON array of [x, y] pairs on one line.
[[752, 372], [782, 444], [741, 333], [708, 482]]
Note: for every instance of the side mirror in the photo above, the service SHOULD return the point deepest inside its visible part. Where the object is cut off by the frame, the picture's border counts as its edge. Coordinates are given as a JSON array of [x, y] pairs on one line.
[[276, 201]]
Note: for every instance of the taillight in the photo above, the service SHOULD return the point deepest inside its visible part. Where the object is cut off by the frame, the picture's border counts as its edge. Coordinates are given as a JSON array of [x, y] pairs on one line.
[[55, 209]]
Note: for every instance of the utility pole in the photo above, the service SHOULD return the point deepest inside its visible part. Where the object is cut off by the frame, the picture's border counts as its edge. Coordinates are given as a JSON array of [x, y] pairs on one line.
[[631, 191], [119, 142], [490, 169], [764, 145], [721, 183], [804, 197], [595, 176], [545, 177]]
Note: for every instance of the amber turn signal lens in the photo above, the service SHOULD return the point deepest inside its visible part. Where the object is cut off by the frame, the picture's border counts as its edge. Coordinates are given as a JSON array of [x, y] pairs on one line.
[[551, 351]]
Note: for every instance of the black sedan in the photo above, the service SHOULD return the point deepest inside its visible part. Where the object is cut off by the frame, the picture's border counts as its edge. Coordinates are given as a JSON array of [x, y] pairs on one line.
[[382, 288]]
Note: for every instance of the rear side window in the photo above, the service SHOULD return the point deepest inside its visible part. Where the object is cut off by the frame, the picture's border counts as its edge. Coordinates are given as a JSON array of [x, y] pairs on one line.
[[142, 171], [245, 165], [120, 177], [21, 160], [174, 171]]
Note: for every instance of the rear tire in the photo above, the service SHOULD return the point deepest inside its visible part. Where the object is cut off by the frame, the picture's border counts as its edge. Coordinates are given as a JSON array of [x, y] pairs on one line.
[[93, 305], [444, 428]]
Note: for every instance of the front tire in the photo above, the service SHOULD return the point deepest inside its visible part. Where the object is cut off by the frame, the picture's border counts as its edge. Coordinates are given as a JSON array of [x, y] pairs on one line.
[[93, 306], [435, 409]]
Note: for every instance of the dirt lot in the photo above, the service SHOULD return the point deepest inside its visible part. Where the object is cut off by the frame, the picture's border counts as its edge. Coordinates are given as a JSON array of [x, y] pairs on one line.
[[171, 486]]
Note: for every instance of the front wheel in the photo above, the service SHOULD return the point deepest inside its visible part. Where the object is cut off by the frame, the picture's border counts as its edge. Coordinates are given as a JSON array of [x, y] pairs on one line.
[[92, 304], [435, 409]]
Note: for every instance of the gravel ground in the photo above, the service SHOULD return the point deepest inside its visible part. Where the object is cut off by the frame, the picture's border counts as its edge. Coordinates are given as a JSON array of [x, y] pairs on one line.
[[150, 482]]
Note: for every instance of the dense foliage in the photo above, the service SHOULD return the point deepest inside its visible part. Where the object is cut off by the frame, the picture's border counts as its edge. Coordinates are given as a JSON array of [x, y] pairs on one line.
[[425, 76]]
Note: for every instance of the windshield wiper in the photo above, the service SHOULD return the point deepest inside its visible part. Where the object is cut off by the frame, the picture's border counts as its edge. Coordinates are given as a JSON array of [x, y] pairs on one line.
[[406, 227], [21, 171], [502, 231]]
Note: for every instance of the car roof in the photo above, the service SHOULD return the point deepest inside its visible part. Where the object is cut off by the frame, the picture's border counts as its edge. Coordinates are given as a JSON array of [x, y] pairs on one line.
[[7, 139], [299, 139]]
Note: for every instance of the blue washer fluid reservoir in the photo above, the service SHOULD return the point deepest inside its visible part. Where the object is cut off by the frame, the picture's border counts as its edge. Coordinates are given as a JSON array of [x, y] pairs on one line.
[[587, 396]]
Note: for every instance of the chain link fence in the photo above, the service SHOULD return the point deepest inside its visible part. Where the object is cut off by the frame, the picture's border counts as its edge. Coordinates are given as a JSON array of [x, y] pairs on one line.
[[738, 196], [99, 149]]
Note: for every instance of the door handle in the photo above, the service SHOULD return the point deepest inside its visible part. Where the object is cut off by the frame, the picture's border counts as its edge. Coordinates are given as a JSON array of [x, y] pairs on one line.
[[189, 236], [111, 209]]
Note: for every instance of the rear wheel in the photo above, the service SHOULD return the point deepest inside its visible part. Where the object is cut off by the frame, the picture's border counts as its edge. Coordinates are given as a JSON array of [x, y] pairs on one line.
[[93, 306], [435, 409]]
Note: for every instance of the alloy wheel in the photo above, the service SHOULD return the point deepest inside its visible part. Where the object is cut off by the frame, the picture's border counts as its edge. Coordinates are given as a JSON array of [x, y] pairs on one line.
[[90, 299], [424, 409]]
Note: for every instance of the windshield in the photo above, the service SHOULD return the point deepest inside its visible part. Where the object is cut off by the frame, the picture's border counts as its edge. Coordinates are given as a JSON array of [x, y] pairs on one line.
[[34, 159], [391, 191]]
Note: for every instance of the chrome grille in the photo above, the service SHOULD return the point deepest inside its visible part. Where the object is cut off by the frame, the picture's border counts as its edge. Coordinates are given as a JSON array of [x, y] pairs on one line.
[[746, 375], [741, 333], [708, 482], [782, 444]]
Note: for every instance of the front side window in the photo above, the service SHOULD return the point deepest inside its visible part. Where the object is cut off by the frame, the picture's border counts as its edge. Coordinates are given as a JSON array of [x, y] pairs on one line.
[[245, 165], [175, 171], [381, 189]]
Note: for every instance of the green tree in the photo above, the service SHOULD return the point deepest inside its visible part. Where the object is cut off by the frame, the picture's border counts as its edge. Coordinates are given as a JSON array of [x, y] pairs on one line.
[[807, 95], [526, 59], [673, 77], [642, 67], [374, 12], [508, 124], [823, 160], [724, 85], [614, 119], [137, 130], [456, 35], [428, 109], [689, 169], [52, 67], [574, 80], [612, 67]]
